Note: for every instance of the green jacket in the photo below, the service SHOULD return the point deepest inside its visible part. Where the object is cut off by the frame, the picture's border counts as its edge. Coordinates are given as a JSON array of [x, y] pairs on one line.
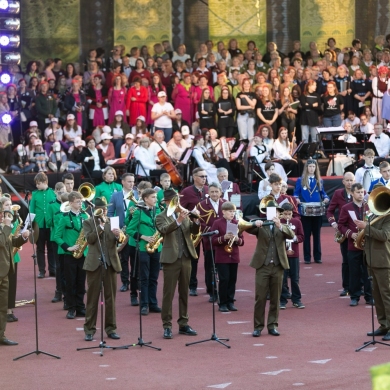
[[106, 190], [68, 230], [53, 212], [45, 105], [39, 206], [16, 255], [146, 227]]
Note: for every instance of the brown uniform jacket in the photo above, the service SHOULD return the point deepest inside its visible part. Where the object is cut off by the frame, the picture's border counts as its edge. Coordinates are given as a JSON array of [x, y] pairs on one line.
[[108, 240], [6, 246], [167, 226], [263, 238]]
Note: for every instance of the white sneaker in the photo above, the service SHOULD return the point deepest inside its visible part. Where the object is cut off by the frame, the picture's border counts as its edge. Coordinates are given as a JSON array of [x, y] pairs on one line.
[[2, 171], [64, 166], [52, 166]]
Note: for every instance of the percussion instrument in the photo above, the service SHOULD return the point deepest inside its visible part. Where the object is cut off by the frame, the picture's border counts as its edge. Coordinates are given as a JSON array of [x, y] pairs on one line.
[[312, 209], [369, 176]]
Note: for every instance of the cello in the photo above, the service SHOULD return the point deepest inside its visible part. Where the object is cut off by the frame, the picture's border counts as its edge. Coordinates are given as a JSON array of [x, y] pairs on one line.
[[168, 165]]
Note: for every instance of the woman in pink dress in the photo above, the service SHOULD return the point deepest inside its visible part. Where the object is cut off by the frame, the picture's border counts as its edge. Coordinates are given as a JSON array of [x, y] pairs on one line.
[[97, 99], [182, 97], [153, 90], [137, 98], [116, 98]]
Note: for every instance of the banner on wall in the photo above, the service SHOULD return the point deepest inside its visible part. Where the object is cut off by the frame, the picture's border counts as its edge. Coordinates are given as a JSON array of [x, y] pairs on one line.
[[50, 28], [322, 19], [244, 20], [142, 22]]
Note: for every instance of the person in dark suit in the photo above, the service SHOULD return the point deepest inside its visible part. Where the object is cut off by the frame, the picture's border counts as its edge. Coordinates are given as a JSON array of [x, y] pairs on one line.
[[209, 211], [92, 159], [179, 122], [7, 243], [377, 259], [176, 255], [118, 207], [357, 269], [96, 272], [189, 198], [226, 262], [269, 260], [340, 198]]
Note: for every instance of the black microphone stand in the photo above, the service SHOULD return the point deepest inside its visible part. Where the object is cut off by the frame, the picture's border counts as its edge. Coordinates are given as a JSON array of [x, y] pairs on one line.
[[370, 278], [103, 264], [37, 351], [214, 336], [140, 342]]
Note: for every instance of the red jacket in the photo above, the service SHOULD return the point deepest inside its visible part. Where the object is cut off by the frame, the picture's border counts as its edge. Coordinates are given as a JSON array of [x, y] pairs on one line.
[[339, 199], [138, 106], [291, 200], [298, 233], [207, 217], [219, 243], [190, 196]]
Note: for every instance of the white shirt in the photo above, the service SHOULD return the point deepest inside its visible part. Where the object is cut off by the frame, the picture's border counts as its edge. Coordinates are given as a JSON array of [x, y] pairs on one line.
[[147, 160], [367, 129], [72, 134], [117, 131], [210, 169], [164, 121], [382, 144], [281, 151], [349, 138], [181, 58], [359, 174], [258, 152], [154, 148], [269, 143], [95, 155], [215, 205]]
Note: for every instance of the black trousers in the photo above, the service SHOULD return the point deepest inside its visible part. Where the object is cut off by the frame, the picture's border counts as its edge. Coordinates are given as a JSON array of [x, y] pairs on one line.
[[312, 226], [62, 272], [125, 256], [293, 272], [133, 273], [194, 270], [227, 273], [358, 274], [344, 265], [149, 264], [75, 282], [208, 273], [12, 278], [59, 275], [42, 243]]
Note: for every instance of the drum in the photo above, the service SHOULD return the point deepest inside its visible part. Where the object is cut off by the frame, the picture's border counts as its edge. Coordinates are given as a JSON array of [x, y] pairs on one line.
[[369, 176], [312, 209]]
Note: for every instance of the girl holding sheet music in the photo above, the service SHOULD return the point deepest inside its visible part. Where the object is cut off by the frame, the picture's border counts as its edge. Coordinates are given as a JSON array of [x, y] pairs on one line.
[[206, 111], [226, 109], [287, 110]]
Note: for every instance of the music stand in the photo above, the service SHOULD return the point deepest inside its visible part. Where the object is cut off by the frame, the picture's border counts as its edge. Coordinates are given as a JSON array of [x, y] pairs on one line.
[[307, 149]]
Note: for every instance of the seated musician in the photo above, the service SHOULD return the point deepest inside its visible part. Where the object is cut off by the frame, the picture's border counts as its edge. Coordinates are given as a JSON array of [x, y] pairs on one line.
[[310, 188], [95, 273], [67, 234], [368, 158], [384, 169], [227, 262], [202, 159], [128, 148], [189, 138], [209, 211], [145, 158], [176, 146], [381, 142], [348, 136], [142, 231], [231, 188], [158, 144], [282, 150]]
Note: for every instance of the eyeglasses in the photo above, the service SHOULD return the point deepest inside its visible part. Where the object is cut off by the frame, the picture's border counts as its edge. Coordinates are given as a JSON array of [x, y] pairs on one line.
[[202, 177]]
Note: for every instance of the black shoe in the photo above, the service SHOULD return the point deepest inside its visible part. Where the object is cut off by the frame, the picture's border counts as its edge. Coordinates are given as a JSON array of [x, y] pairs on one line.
[[213, 298], [52, 274], [299, 305], [193, 292], [386, 337], [318, 261], [71, 314], [124, 288], [354, 302], [5, 341], [231, 307], [66, 306], [88, 337], [41, 275], [134, 301], [370, 301], [144, 310], [57, 297], [11, 318], [114, 336], [256, 333], [377, 332], [344, 293], [187, 330], [80, 313], [307, 262], [273, 332], [223, 309], [168, 333], [155, 309], [282, 306]]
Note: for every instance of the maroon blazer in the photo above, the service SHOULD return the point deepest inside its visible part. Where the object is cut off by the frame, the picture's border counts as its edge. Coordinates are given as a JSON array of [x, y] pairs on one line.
[[298, 233], [339, 199], [207, 218], [347, 226], [191, 196], [221, 256], [291, 200]]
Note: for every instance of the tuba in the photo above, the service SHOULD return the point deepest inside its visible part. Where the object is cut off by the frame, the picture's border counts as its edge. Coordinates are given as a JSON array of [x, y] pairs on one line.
[[87, 191], [157, 239], [242, 226]]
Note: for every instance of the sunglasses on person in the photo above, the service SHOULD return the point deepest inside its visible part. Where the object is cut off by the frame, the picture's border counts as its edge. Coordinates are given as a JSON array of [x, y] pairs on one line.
[[202, 177]]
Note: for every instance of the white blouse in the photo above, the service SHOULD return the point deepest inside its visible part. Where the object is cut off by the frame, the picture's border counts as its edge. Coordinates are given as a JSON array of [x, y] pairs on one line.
[[281, 151], [143, 155]]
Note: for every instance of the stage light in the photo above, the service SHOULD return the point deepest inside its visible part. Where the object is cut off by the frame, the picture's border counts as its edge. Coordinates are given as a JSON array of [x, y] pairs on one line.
[[6, 119], [10, 40], [4, 40], [4, 4], [5, 78], [10, 24], [10, 58]]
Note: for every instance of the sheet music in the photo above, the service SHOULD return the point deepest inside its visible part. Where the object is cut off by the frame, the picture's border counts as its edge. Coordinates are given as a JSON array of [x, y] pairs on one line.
[[231, 228], [225, 184], [27, 222], [352, 214], [239, 149], [337, 129], [187, 156], [271, 213], [236, 200], [114, 222], [283, 202]]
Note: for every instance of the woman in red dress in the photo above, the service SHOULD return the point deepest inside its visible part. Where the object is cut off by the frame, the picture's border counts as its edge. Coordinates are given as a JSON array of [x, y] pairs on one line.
[[137, 98], [139, 71]]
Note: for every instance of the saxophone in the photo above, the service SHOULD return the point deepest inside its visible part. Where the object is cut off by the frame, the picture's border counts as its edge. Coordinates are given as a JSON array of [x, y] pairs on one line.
[[16, 234], [82, 243], [157, 239]]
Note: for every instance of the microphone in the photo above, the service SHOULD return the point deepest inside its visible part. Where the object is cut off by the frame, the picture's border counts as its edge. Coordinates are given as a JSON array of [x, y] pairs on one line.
[[89, 203], [210, 233], [26, 195], [141, 206]]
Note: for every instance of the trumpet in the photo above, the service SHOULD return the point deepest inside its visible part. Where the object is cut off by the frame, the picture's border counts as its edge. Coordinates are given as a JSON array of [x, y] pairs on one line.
[[339, 237], [289, 249], [242, 226]]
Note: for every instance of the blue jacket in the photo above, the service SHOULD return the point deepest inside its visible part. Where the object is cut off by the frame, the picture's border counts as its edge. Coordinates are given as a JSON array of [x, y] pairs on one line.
[[118, 206], [303, 193]]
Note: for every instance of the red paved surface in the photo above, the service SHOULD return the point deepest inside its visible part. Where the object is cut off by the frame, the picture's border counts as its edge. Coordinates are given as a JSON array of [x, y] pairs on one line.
[[326, 329]]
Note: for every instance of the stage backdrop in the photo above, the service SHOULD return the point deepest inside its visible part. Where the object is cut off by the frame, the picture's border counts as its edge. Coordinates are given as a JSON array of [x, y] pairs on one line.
[[245, 20], [319, 21], [142, 22], [50, 28]]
